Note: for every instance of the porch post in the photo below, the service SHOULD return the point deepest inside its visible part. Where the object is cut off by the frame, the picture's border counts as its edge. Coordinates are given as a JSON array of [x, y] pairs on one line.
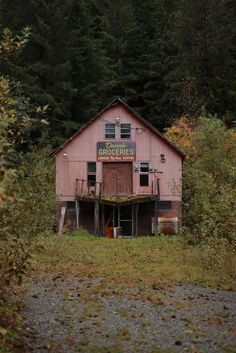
[[96, 217], [77, 209], [114, 215], [118, 216], [137, 207], [133, 220], [103, 219]]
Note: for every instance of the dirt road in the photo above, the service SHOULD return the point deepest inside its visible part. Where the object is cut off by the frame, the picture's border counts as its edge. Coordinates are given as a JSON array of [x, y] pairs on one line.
[[72, 314]]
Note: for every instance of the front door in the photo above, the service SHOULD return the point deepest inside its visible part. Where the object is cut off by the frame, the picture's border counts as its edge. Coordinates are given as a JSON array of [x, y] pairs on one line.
[[117, 178]]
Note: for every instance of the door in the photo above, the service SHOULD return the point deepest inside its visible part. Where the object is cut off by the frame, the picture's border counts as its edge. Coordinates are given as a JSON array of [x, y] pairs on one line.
[[117, 178]]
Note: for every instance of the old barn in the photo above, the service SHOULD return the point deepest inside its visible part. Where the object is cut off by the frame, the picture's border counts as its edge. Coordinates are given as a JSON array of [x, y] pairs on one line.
[[119, 176]]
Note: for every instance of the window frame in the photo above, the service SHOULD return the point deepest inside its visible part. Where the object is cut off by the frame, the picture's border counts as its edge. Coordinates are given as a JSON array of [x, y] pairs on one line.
[[107, 133], [143, 173], [130, 129], [91, 183]]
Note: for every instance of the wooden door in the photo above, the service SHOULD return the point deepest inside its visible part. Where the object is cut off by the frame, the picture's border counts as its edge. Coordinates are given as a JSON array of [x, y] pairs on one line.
[[117, 178]]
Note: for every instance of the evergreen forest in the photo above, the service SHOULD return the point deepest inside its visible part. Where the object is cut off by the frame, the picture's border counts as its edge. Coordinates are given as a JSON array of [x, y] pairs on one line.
[[164, 58], [174, 63]]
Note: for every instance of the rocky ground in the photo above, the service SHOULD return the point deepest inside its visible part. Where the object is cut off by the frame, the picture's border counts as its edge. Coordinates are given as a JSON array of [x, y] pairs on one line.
[[72, 314]]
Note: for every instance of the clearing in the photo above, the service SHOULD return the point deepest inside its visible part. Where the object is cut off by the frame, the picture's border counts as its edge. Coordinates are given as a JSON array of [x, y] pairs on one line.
[[147, 295]]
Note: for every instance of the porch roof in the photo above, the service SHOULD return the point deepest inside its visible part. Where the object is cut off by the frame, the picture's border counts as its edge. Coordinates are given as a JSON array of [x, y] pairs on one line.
[[118, 200]]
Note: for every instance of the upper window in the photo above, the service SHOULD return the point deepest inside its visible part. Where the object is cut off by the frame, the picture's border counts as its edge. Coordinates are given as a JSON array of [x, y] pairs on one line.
[[110, 131], [143, 173], [125, 131]]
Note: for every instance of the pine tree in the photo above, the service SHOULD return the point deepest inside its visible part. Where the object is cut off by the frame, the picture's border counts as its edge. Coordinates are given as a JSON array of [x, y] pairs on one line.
[[204, 73], [45, 69]]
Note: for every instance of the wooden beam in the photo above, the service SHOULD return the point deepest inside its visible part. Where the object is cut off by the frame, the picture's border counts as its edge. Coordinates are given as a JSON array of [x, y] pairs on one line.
[[96, 217], [136, 228], [114, 216], [77, 210], [133, 220], [156, 213], [118, 207], [62, 220], [103, 219]]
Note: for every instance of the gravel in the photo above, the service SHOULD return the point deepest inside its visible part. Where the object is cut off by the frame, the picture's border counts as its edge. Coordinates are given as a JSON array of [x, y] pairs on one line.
[[183, 318]]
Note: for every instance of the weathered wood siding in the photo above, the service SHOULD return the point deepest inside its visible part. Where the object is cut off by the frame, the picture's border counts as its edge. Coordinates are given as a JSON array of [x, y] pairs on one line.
[[149, 147]]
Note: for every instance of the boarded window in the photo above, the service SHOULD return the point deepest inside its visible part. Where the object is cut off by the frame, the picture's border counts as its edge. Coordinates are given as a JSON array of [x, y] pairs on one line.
[[110, 131], [125, 131], [91, 174], [143, 174]]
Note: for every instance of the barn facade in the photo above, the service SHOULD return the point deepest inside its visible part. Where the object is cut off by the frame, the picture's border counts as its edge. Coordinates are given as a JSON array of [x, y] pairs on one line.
[[119, 175]]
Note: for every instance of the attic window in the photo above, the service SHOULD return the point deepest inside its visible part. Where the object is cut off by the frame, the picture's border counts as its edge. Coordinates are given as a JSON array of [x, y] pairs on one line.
[[125, 131], [110, 131]]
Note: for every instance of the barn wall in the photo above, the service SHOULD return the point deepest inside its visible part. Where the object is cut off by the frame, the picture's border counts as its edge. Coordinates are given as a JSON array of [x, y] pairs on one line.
[[149, 146]]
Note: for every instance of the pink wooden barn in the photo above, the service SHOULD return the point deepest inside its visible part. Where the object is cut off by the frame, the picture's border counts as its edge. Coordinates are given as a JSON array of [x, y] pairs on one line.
[[118, 173]]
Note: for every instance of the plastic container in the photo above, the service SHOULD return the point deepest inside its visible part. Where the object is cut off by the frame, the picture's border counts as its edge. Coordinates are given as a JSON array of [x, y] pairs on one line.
[[109, 232]]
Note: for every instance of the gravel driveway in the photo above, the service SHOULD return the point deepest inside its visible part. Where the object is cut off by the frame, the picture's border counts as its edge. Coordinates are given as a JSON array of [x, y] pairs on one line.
[[70, 315]]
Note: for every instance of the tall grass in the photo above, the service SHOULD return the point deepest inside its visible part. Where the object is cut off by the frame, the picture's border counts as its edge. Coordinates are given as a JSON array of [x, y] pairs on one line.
[[136, 262]]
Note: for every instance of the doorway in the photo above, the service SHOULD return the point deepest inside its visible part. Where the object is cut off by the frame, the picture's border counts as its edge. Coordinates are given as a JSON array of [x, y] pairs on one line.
[[117, 178]]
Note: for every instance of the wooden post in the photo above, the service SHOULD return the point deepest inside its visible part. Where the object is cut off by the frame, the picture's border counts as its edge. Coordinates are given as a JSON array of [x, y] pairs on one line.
[[62, 220], [114, 215], [103, 219], [156, 213], [96, 217], [136, 219], [133, 220], [76, 187], [95, 190], [82, 187], [118, 216], [77, 209], [100, 190]]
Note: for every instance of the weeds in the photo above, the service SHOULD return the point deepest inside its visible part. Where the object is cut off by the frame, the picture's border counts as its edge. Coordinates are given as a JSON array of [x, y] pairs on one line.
[[145, 261]]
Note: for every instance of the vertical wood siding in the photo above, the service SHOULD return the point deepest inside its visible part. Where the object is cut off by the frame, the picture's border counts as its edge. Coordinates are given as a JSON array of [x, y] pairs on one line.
[[149, 147]]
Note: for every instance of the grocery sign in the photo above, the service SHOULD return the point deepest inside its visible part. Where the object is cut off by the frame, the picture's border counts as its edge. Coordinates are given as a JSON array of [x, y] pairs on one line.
[[116, 151]]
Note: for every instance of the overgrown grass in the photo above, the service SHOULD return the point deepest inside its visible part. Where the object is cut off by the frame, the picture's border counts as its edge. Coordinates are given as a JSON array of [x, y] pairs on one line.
[[142, 261]]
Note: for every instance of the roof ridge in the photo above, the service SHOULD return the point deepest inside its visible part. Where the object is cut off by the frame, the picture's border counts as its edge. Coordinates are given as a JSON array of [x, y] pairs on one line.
[[118, 99]]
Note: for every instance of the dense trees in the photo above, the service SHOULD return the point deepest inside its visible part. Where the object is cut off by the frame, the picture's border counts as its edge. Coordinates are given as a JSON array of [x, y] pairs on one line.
[[209, 177], [165, 58]]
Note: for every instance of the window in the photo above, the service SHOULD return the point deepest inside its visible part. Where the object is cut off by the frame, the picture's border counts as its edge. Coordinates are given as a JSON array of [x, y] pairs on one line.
[[164, 205], [143, 173], [110, 131], [125, 131], [70, 205], [91, 168]]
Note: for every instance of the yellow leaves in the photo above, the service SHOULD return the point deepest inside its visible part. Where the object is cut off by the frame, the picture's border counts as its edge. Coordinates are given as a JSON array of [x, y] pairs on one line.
[[11, 44], [45, 122], [3, 331], [42, 109], [180, 133]]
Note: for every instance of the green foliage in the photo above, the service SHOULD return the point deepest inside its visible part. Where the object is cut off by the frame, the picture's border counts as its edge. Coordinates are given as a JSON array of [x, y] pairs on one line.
[[32, 214], [209, 182], [22, 183], [11, 45]]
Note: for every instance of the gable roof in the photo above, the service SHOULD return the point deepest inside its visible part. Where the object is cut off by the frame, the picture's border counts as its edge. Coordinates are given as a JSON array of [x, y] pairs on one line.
[[113, 103]]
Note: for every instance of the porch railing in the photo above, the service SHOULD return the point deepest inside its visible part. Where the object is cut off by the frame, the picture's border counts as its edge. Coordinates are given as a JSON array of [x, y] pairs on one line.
[[85, 187]]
